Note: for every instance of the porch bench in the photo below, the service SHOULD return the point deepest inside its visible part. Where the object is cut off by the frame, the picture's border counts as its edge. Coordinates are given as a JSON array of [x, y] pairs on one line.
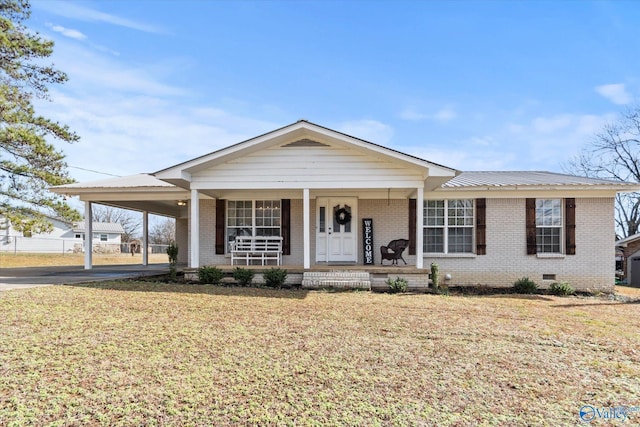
[[263, 249]]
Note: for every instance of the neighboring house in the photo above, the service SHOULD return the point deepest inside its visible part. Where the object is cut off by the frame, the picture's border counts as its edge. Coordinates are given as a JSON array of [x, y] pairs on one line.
[[628, 259], [314, 186], [65, 237], [105, 232], [61, 229]]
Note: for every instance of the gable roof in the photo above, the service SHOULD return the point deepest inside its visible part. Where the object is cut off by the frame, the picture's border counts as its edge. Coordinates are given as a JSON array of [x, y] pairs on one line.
[[301, 132]]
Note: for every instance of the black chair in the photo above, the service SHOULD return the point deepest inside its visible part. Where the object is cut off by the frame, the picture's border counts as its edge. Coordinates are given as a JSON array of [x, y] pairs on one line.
[[393, 251]]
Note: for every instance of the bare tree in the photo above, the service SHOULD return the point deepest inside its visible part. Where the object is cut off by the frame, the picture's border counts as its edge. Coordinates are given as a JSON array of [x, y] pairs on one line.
[[163, 231], [130, 221], [614, 153]]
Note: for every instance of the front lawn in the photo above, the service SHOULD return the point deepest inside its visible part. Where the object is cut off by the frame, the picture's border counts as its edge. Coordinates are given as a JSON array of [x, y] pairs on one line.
[[173, 355], [11, 260]]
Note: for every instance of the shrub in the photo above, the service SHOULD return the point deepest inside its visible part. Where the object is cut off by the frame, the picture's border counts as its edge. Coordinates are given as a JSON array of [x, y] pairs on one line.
[[562, 289], [525, 286], [397, 285], [172, 252], [210, 275], [243, 276], [275, 277]]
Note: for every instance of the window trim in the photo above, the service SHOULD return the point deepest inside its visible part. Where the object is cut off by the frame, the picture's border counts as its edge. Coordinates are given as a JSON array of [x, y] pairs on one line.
[[446, 227]]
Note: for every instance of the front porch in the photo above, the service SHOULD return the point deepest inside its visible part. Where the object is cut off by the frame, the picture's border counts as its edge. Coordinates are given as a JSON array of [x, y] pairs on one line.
[[321, 276]]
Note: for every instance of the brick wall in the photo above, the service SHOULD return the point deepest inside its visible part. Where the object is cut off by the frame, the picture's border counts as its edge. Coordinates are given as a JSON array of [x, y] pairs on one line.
[[592, 268], [182, 239], [390, 222]]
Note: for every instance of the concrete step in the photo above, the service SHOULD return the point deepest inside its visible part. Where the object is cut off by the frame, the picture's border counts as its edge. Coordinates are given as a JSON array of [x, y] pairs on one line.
[[336, 279]]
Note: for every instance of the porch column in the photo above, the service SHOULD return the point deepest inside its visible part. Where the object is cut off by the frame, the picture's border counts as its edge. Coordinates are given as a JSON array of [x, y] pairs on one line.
[[194, 259], [306, 227], [88, 235], [145, 238], [419, 226]]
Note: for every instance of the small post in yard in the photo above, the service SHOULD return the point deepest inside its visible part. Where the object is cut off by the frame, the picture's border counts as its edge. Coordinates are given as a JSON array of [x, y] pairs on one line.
[[435, 279]]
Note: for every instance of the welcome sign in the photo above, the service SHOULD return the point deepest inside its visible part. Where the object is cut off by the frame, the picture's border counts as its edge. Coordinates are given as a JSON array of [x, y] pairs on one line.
[[367, 238]]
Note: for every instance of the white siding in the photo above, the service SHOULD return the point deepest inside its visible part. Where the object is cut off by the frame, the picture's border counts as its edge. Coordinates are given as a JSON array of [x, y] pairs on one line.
[[309, 167]]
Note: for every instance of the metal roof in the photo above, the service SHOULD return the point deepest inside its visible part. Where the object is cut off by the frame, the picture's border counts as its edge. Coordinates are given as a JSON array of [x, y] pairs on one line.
[[526, 179], [100, 227], [131, 181]]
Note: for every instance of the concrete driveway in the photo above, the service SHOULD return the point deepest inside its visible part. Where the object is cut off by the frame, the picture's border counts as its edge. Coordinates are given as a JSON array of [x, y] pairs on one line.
[[28, 277]]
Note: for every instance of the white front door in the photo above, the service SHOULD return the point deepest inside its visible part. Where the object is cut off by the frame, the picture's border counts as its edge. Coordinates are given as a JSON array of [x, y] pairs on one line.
[[336, 229]]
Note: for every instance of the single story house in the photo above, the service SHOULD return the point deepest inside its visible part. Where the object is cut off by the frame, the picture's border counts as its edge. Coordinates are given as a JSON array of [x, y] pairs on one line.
[[65, 237], [335, 199]]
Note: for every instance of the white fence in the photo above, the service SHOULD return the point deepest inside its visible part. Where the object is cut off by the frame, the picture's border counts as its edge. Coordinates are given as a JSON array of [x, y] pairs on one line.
[[19, 244]]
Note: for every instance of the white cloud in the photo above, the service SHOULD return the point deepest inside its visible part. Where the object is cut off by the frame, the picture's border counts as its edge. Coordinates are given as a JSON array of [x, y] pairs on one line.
[[536, 143], [125, 135], [67, 32], [412, 115], [131, 119], [93, 72], [369, 130], [616, 93], [76, 11], [552, 124], [464, 159], [552, 139], [445, 114]]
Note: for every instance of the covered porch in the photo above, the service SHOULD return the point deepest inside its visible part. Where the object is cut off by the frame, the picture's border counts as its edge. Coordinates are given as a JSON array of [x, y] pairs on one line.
[[323, 183]]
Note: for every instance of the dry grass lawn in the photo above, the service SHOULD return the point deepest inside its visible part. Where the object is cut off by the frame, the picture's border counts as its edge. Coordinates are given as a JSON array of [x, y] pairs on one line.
[[10, 260], [153, 354]]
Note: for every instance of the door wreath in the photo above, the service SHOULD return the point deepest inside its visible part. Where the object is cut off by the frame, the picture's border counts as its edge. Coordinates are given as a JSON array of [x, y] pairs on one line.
[[343, 216]]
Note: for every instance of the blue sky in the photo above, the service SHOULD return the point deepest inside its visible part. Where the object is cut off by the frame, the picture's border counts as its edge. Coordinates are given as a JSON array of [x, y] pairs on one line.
[[475, 85]]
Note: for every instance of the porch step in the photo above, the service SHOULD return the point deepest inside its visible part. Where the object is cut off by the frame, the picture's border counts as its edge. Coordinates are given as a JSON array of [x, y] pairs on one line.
[[336, 279]]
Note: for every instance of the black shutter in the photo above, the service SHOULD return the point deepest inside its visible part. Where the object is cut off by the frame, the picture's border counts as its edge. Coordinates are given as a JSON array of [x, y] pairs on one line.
[[220, 225], [532, 247], [570, 226], [481, 226], [285, 226], [412, 226]]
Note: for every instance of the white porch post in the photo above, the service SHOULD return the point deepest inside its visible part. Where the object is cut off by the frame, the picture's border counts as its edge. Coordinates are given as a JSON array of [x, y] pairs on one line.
[[306, 227], [145, 238], [88, 235], [194, 259], [419, 226]]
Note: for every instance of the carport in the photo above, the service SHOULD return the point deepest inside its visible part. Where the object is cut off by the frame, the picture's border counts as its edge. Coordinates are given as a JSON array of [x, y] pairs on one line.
[[141, 192]]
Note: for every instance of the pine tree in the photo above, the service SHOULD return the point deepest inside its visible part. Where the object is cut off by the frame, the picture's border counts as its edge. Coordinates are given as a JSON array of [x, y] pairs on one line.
[[29, 162]]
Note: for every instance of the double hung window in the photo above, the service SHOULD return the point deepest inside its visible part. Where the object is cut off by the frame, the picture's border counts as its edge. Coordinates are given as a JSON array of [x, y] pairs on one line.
[[253, 218], [548, 225], [448, 226]]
